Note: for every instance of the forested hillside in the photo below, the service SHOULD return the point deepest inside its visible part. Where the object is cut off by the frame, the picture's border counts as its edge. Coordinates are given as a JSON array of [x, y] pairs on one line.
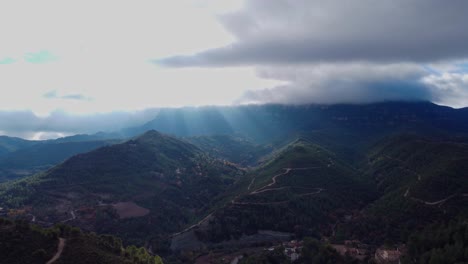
[[123, 188], [21, 243], [355, 179]]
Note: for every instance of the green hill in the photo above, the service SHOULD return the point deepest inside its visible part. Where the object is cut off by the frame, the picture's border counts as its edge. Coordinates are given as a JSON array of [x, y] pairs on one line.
[[21, 242], [421, 180], [384, 173], [43, 155], [10, 144], [299, 190], [124, 188], [235, 149]]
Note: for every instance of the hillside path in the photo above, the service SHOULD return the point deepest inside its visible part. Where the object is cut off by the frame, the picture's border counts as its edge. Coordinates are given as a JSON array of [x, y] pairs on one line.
[[61, 245], [251, 182], [73, 217], [192, 226], [260, 190], [273, 180]]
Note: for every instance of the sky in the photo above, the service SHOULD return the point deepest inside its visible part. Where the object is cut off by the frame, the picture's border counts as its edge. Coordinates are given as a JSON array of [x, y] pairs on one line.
[[71, 67]]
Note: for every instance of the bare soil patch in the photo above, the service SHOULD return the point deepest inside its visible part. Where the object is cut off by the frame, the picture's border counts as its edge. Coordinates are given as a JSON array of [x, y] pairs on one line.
[[130, 209]]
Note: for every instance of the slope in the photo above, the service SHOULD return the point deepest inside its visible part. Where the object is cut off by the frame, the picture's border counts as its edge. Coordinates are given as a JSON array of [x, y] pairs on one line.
[[299, 190], [24, 243], [125, 188], [421, 180], [42, 156], [266, 123], [235, 149], [10, 144]]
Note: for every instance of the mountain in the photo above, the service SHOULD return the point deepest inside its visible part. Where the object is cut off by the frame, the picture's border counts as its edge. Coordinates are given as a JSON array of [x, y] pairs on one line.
[[365, 178], [345, 129], [266, 123], [20, 158], [421, 180], [124, 188], [24, 243], [42, 156], [10, 144], [89, 137], [301, 190], [235, 149]]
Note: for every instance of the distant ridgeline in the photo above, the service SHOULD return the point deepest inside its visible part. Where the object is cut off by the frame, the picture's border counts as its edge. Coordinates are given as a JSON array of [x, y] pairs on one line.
[[264, 123], [222, 182]]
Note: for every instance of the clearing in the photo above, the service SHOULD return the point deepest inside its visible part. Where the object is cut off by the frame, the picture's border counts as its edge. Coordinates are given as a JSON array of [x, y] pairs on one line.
[[130, 209]]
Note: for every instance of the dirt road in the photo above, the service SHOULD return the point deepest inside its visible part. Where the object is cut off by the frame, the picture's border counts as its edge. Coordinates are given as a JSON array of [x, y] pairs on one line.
[[61, 245]]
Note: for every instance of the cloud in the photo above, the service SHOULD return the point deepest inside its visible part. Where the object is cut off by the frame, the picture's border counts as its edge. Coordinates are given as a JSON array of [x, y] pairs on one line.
[[51, 94], [341, 83], [313, 31], [75, 97], [450, 88], [54, 95], [357, 51], [329, 83], [28, 125]]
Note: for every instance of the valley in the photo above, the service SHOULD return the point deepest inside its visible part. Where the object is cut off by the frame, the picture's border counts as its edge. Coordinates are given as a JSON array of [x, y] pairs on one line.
[[369, 183]]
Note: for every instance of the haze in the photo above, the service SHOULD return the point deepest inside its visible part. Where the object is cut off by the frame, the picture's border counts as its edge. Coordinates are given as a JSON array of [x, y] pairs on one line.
[[104, 65]]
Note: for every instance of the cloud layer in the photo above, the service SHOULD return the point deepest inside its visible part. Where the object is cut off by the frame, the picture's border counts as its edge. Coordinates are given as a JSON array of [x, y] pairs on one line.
[[28, 125], [61, 64], [356, 51], [311, 31], [341, 83]]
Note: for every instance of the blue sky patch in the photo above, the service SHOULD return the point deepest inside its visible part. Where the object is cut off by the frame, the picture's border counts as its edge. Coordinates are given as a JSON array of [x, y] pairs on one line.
[[40, 57], [7, 60]]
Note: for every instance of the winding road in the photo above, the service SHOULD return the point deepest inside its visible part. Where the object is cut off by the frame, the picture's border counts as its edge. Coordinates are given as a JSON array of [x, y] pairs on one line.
[[61, 245], [436, 202], [192, 226], [273, 182], [407, 192], [259, 190], [73, 217], [251, 182]]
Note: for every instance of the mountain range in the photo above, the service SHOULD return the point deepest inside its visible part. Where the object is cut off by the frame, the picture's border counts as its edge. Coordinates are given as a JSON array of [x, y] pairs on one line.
[[217, 180]]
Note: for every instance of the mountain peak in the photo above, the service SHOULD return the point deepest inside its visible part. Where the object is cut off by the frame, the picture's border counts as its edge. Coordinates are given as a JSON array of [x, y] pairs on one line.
[[150, 136], [151, 133]]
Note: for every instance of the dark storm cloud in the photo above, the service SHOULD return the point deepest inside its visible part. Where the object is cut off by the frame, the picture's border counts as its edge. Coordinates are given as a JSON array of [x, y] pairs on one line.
[[311, 31], [344, 83], [377, 91]]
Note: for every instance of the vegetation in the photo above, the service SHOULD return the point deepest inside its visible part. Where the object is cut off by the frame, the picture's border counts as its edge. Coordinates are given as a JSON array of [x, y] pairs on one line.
[[21, 242], [384, 174], [10, 144], [312, 252], [235, 149], [310, 186], [421, 180], [31, 159], [439, 243], [171, 178]]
